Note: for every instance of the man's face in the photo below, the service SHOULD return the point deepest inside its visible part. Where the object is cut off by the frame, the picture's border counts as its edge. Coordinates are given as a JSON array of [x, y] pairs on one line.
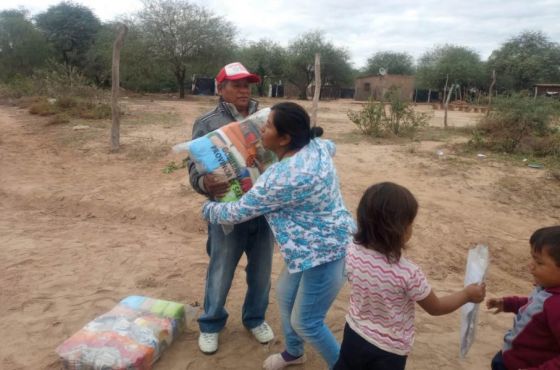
[[237, 93]]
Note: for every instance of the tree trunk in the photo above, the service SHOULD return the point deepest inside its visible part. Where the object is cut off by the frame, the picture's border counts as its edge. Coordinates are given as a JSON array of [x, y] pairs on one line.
[[180, 75], [115, 112], [317, 92], [429, 95], [182, 89]]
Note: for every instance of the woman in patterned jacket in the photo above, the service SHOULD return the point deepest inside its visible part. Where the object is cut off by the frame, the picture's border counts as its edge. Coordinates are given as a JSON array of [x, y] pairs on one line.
[[301, 200]]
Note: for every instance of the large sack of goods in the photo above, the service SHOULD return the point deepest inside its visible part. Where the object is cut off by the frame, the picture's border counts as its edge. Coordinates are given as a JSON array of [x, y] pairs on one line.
[[234, 152], [132, 336]]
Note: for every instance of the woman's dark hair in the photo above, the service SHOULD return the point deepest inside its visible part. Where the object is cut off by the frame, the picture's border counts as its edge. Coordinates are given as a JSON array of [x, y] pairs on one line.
[[547, 238], [292, 120], [385, 213]]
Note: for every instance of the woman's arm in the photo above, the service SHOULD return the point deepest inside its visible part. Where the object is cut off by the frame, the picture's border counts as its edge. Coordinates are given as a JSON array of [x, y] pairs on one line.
[[260, 200], [437, 306]]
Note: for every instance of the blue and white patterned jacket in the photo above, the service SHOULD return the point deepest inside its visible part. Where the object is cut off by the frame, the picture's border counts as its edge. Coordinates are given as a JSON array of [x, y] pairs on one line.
[[301, 200]]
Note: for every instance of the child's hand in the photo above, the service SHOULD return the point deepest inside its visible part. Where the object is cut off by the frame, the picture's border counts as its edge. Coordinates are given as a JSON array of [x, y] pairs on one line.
[[476, 292], [496, 303]]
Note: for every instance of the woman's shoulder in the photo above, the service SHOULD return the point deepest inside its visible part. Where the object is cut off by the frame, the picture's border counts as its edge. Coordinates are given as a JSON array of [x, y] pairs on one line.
[[323, 144]]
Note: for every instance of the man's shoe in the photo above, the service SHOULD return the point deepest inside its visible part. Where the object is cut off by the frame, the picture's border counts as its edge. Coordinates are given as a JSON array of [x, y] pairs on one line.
[[208, 343], [263, 333]]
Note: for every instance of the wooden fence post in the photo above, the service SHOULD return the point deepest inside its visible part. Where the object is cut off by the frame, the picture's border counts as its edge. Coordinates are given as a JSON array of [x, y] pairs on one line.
[[491, 87], [115, 85], [317, 92]]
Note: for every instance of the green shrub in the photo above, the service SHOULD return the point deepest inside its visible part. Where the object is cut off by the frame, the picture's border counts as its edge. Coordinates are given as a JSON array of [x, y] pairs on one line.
[[370, 119], [402, 120], [520, 124]]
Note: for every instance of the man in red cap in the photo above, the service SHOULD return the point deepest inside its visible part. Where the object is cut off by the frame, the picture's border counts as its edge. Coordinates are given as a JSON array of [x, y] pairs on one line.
[[254, 237]]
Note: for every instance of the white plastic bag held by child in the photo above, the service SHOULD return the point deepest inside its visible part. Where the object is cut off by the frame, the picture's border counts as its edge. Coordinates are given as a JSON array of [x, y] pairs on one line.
[[477, 264]]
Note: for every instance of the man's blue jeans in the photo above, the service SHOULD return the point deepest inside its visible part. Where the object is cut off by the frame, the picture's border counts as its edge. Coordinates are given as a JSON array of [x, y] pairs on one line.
[[254, 238], [304, 299]]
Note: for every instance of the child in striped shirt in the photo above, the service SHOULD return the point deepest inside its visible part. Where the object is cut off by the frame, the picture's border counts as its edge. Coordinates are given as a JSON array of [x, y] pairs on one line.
[[379, 329]]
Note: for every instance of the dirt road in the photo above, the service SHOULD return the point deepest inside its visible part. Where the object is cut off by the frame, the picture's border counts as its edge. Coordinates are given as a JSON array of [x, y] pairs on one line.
[[81, 228]]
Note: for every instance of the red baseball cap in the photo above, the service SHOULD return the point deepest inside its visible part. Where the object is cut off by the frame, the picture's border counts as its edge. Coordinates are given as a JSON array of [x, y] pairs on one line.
[[236, 71]]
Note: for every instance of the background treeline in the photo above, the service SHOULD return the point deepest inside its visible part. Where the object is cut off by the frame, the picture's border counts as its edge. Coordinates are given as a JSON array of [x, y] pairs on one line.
[[170, 40]]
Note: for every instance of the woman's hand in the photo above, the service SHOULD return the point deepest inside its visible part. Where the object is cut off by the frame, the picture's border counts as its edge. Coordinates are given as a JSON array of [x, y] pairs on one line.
[[476, 292], [495, 303]]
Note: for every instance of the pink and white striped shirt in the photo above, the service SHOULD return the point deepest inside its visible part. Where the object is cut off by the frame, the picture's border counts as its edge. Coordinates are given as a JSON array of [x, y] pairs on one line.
[[382, 298]]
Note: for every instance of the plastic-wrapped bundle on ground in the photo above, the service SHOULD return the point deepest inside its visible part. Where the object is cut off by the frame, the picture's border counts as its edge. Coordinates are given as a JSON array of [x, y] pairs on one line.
[[131, 336], [234, 152], [477, 265]]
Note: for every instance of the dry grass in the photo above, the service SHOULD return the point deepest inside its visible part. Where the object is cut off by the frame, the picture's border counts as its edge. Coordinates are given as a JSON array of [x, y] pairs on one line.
[[431, 133], [42, 108], [146, 150], [66, 106], [59, 119], [554, 175], [168, 119]]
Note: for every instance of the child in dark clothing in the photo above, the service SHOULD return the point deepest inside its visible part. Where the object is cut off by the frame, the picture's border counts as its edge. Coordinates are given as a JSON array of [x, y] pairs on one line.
[[534, 340]]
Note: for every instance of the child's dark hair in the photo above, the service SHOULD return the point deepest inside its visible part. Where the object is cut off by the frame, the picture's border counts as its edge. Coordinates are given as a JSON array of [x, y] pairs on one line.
[[385, 213], [547, 238], [292, 120]]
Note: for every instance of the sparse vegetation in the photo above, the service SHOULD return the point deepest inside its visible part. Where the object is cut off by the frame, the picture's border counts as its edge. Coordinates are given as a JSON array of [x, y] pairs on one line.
[[520, 124], [170, 167], [146, 150], [401, 121], [67, 108]]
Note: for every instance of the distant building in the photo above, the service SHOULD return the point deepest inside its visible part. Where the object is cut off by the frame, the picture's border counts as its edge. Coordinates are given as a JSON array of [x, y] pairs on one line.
[[377, 86], [552, 90]]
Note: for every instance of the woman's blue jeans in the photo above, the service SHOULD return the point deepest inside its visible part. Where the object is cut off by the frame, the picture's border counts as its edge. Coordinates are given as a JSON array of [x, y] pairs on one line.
[[304, 299]]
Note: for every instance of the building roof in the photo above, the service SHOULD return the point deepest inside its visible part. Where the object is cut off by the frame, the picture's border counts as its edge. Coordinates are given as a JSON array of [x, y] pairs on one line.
[[546, 85]]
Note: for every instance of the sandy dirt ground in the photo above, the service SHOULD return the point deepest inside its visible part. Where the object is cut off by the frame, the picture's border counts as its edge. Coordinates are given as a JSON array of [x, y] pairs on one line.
[[81, 228]]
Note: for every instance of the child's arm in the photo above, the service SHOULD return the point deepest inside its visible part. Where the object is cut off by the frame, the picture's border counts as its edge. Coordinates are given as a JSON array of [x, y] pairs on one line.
[[506, 304], [495, 303], [436, 306], [513, 304]]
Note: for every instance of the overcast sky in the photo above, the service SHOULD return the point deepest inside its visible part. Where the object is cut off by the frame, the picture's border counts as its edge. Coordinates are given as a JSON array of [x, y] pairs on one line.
[[365, 27]]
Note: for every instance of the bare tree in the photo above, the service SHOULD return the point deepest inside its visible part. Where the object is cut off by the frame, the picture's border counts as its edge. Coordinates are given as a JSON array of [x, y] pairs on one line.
[[183, 33]]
